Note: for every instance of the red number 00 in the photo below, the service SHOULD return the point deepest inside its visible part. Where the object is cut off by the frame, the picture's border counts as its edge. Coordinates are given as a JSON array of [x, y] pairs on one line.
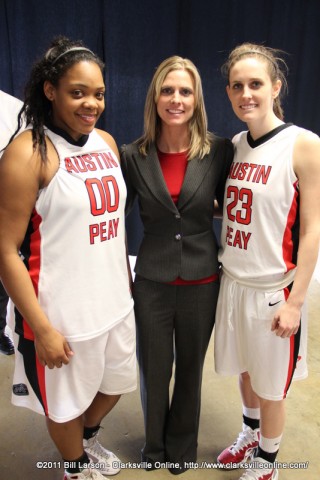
[[103, 194]]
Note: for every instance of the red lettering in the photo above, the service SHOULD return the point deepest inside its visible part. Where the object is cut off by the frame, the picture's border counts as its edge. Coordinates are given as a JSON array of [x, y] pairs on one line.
[[250, 172], [252, 168], [82, 167], [112, 193], [96, 156], [89, 162], [103, 232], [239, 239], [109, 160], [264, 175], [96, 195], [229, 235], [245, 238], [93, 232], [69, 165]]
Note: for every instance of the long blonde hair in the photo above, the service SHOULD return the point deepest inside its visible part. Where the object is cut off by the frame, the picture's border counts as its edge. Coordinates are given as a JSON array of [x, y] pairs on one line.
[[277, 67], [200, 138]]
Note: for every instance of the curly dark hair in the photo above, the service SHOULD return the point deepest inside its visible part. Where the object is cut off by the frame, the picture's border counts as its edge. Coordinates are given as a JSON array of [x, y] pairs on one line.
[[62, 54]]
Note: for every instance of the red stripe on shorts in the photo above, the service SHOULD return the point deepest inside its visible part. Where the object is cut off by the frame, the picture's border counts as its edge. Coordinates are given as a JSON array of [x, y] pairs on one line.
[[41, 374]]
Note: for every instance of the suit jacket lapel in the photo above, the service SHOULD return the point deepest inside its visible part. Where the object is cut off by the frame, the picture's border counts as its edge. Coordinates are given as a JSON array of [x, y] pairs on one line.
[[152, 174], [196, 171]]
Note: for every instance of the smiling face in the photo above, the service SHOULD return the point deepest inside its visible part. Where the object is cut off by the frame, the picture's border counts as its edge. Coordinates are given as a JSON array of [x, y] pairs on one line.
[[252, 93], [78, 99], [176, 102]]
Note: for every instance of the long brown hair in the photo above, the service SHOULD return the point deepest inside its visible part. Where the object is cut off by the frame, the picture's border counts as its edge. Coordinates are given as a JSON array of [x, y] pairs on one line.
[[277, 67]]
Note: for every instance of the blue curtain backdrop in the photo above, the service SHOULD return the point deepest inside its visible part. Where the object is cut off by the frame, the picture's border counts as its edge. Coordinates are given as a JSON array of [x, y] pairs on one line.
[[134, 36]]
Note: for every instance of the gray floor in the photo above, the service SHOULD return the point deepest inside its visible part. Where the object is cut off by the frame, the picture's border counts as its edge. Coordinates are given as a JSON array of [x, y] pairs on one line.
[[24, 440]]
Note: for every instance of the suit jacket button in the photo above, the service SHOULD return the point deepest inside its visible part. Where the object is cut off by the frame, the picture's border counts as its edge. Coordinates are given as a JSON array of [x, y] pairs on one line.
[[177, 236], [177, 216]]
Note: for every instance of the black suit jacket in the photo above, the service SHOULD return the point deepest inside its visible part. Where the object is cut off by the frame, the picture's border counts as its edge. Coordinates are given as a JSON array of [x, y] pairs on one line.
[[178, 240]]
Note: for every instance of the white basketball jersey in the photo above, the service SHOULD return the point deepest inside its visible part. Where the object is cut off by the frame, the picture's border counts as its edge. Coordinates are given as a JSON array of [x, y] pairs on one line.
[[260, 228], [75, 244]]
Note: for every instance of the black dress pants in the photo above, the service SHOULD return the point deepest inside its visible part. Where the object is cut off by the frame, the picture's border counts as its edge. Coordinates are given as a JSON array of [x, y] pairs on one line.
[[174, 326]]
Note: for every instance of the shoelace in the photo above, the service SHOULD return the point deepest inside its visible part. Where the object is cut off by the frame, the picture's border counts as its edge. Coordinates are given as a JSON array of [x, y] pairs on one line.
[[255, 473], [99, 450], [244, 439], [260, 470]]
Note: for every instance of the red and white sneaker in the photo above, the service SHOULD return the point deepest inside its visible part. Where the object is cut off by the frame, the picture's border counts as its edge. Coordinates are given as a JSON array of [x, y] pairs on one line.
[[260, 469], [240, 451]]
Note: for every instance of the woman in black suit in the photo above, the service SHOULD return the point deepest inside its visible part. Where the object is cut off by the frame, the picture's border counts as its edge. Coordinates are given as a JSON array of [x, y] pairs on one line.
[[177, 169]]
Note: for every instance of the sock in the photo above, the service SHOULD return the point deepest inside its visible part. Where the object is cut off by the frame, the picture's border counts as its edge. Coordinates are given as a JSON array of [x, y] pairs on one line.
[[253, 423], [251, 417], [76, 466], [270, 444], [268, 456], [89, 432], [251, 412], [268, 448]]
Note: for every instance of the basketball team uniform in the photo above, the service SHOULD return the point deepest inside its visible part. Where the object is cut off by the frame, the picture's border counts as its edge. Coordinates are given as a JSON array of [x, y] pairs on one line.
[[74, 250], [259, 238]]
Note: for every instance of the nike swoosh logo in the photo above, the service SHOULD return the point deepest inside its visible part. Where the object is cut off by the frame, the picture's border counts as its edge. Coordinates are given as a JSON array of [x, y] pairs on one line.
[[271, 304]]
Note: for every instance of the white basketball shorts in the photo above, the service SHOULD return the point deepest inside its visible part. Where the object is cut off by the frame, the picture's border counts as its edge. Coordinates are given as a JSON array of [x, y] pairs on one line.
[[105, 364], [244, 342]]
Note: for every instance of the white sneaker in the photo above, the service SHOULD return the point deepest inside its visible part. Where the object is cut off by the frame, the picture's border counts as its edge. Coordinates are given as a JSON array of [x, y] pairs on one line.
[[260, 469], [86, 474], [109, 463]]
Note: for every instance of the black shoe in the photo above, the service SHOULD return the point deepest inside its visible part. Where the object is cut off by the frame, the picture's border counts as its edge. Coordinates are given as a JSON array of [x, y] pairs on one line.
[[178, 470], [6, 345], [147, 463]]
